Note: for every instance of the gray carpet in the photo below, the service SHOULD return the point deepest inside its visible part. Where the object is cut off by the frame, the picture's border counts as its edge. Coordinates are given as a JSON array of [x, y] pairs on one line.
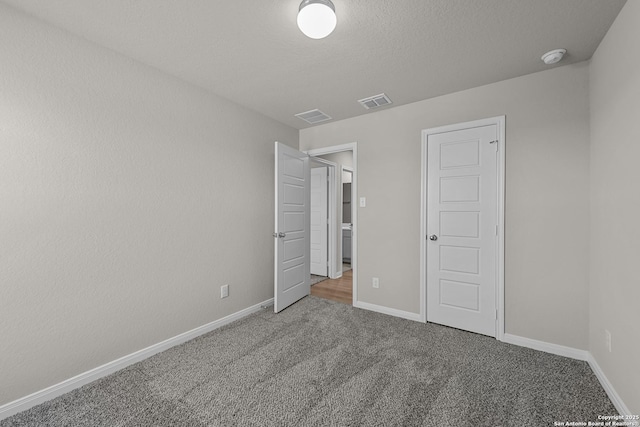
[[321, 363]]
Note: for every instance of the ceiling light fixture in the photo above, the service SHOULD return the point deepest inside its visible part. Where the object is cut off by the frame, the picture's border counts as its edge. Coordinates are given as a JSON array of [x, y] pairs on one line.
[[553, 56], [317, 18]]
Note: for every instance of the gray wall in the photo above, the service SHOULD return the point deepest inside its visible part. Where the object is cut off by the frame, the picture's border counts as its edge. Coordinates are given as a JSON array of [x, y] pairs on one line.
[[128, 197], [615, 204], [117, 213], [547, 199]]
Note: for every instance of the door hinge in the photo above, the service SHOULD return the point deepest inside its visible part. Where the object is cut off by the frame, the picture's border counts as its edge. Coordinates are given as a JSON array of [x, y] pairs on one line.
[[496, 230], [495, 142], [496, 314]]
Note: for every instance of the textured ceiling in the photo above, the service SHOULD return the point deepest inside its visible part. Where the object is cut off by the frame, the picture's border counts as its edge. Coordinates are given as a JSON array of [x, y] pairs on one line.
[[251, 51]]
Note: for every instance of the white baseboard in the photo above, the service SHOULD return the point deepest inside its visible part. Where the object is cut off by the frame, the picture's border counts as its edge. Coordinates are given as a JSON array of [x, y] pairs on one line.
[[573, 353], [66, 386], [559, 350], [611, 392], [386, 310]]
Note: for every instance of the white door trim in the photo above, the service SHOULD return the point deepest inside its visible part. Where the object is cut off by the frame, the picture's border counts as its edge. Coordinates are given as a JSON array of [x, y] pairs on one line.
[[500, 123], [353, 207], [353, 147], [332, 246]]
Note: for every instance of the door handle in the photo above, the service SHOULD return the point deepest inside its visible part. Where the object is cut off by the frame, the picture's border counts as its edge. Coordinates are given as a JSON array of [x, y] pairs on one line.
[[433, 237], [281, 234]]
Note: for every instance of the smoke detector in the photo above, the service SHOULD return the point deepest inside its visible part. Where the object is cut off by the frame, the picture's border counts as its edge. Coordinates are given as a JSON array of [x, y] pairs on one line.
[[553, 56]]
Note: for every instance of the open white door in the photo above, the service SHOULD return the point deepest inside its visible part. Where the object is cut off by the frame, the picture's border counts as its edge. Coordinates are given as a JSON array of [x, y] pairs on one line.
[[319, 225], [462, 227], [292, 243]]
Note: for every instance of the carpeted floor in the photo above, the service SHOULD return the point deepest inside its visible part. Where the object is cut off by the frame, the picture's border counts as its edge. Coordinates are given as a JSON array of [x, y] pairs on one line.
[[321, 363]]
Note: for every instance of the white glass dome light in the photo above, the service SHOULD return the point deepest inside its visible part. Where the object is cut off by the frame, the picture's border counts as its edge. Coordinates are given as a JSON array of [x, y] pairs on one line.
[[317, 18]]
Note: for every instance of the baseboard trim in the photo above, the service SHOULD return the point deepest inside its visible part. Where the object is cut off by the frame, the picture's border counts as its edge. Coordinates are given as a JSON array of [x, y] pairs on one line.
[[573, 353], [557, 349], [70, 384], [386, 310], [608, 387]]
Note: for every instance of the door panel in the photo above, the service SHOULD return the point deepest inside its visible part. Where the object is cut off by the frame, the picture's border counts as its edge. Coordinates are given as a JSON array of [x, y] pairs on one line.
[[292, 280], [319, 227], [456, 259], [461, 224], [459, 294], [460, 189]]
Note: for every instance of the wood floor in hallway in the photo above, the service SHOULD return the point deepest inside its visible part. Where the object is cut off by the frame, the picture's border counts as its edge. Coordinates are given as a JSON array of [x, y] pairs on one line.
[[340, 290]]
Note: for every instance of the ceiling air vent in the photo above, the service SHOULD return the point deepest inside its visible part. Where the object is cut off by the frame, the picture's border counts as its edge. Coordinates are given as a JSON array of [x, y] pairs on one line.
[[375, 101], [313, 116]]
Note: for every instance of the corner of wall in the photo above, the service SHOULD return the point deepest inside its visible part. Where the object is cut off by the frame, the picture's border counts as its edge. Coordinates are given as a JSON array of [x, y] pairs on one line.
[[614, 229]]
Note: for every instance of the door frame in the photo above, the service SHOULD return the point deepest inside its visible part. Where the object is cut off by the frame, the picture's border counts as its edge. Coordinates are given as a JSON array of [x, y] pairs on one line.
[[499, 121], [331, 206], [353, 208], [353, 147]]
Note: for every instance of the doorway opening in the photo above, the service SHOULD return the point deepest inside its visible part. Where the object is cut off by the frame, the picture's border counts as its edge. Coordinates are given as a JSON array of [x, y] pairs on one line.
[[347, 214], [322, 224], [340, 282]]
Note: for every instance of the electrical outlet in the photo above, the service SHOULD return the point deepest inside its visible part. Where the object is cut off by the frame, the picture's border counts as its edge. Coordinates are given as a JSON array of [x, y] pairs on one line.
[[224, 291], [375, 282], [363, 202], [607, 339]]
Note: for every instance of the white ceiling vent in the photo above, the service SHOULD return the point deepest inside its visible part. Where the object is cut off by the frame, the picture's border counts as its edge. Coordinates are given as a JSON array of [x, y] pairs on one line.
[[375, 101], [313, 116]]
